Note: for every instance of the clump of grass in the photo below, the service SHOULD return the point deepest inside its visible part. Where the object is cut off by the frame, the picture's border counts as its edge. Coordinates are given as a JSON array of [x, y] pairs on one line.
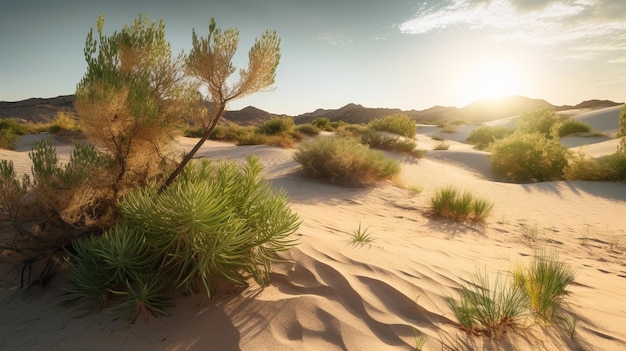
[[486, 309], [308, 129], [545, 284], [362, 236], [344, 161], [442, 145], [398, 123], [378, 140], [449, 202]]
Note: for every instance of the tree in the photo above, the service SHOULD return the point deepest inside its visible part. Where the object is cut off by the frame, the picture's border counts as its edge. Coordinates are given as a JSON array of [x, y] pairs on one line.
[[210, 62], [130, 96]]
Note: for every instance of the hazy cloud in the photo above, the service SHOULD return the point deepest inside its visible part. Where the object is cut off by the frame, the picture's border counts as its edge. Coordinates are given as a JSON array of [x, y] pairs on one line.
[[541, 22]]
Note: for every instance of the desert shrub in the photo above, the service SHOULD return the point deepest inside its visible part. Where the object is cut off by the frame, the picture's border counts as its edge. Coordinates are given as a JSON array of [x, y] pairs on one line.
[[528, 157], [378, 140], [231, 132], [337, 124], [251, 138], [540, 121], [17, 127], [276, 125], [11, 189], [397, 123], [448, 128], [545, 284], [63, 122], [483, 136], [608, 168], [344, 161], [570, 126], [449, 202], [323, 124], [308, 129], [215, 223], [280, 140], [351, 130], [8, 138], [487, 309], [442, 145], [622, 129]]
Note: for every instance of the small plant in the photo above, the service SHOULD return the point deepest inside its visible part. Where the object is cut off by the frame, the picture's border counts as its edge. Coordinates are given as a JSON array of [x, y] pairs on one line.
[[362, 236], [420, 339], [545, 284], [416, 189], [571, 126], [568, 323], [442, 145], [486, 309], [449, 202]]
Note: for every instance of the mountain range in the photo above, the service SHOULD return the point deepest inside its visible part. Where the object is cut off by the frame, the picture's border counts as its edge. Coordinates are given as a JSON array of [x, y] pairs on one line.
[[42, 109]]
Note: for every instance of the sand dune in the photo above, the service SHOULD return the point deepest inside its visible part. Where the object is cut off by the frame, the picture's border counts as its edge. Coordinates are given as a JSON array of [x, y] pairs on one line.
[[331, 294]]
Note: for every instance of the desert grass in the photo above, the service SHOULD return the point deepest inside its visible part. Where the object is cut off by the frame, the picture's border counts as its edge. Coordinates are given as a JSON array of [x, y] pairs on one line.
[[488, 309], [442, 145], [545, 283], [362, 235], [450, 202]]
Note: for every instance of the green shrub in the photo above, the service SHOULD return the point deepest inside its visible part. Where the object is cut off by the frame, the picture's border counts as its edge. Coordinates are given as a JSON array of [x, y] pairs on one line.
[[8, 138], [545, 284], [276, 125], [378, 140], [397, 123], [488, 309], [483, 136], [528, 157], [449, 202], [344, 161], [571, 126], [17, 127], [323, 124], [308, 129], [216, 222], [351, 131], [622, 129], [442, 145], [608, 168], [540, 121]]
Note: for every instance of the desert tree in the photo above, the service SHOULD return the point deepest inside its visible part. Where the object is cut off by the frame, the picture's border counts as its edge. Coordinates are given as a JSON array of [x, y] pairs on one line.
[[210, 64], [129, 100]]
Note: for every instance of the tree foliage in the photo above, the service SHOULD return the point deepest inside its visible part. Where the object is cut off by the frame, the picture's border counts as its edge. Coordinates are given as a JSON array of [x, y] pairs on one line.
[[129, 98], [210, 63]]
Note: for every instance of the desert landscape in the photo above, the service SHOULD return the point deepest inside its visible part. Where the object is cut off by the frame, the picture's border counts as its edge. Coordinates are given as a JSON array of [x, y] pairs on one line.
[[331, 293]]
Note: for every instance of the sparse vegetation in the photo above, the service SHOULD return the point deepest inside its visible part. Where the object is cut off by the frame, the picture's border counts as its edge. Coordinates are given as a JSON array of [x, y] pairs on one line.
[[308, 129], [323, 124], [449, 202], [528, 157], [442, 146], [542, 121], [484, 136], [390, 142], [571, 126], [608, 168], [344, 161], [399, 124]]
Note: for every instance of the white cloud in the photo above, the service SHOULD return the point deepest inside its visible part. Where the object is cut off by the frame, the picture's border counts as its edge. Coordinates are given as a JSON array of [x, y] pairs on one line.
[[540, 22]]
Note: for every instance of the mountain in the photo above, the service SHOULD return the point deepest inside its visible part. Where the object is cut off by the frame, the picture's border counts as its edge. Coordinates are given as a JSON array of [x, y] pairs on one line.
[[38, 110]]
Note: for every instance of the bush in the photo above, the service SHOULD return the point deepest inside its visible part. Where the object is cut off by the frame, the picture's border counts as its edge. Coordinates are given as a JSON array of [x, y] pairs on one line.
[[528, 157], [487, 309], [545, 284], [8, 138], [344, 161], [449, 202], [378, 140], [308, 129], [484, 136], [276, 125], [323, 124], [397, 123], [539, 121], [215, 223], [351, 131], [608, 168], [571, 126]]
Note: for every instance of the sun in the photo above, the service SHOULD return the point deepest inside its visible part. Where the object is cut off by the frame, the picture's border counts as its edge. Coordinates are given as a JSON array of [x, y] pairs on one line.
[[489, 79]]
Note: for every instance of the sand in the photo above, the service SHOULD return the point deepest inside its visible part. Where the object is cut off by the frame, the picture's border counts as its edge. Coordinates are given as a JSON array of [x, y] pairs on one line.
[[331, 294]]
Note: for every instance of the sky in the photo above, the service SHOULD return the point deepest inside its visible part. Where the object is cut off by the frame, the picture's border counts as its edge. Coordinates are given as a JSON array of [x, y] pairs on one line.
[[395, 54]]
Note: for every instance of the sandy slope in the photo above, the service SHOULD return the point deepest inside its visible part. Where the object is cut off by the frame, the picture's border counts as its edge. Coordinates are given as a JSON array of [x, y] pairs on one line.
[[334, 295]]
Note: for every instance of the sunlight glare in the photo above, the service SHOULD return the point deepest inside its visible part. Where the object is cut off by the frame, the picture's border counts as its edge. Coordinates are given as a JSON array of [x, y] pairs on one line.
[[489, 79]]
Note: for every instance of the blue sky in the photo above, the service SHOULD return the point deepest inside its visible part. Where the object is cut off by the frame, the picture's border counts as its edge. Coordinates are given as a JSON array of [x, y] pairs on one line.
[[398, 54]]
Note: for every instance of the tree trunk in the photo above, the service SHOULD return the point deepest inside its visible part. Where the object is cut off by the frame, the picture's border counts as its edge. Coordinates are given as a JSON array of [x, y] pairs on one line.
[[188, 156]]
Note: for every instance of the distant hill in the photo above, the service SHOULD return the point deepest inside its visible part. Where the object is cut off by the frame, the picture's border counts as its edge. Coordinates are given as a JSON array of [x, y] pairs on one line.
[[38, 110]]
